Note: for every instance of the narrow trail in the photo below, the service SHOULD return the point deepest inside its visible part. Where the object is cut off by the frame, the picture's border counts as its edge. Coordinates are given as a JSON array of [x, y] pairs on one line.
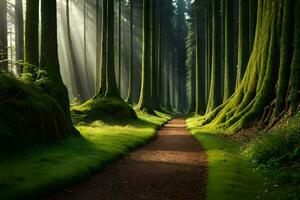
[[174, 166]]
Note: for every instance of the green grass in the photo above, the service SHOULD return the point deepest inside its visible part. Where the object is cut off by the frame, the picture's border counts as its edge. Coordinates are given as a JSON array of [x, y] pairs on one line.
[[230, 177], [45, 168]]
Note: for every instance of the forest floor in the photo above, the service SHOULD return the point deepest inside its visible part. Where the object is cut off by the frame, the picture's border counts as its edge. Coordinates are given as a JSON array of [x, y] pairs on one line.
[[39, 169], [174, 166]]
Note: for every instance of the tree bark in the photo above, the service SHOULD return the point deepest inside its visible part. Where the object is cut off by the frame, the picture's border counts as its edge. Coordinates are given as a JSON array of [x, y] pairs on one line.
[[32, 37]]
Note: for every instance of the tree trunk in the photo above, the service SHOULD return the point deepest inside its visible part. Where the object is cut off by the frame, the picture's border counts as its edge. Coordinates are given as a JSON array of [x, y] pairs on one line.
[[145, 102], [295, 68], [32, 37], [3, 36], [103, 86], [131, 61], [111, 87], [98, 47], [154, 69], [19, 35], [229, 68], [286, 55], [49, 58], [214, 95], [243, 46], [120, 47]]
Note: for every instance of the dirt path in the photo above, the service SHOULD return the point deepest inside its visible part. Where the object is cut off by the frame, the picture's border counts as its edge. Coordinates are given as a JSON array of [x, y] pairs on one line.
[[174, 166]]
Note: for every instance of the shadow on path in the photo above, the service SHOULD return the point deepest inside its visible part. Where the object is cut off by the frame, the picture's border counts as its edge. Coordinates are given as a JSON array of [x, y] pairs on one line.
[[174, 166]]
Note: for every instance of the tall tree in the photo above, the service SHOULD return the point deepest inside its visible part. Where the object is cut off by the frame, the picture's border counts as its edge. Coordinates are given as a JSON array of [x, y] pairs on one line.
[[32, 37], [200, 68], [145, 102], [154, 69], [129, 98], [103, 84], [19, 34], [181, 51], [286, 55], [243, 44], [215, 93], [98, 47], [49, 58], [208, 48], [120, 46], [252, 22], [229, 68], [160, 90], [3, 35], [111, 87], [295, 67]]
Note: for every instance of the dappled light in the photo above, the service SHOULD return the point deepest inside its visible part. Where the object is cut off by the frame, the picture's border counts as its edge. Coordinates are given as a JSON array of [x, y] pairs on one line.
[[150, 99]]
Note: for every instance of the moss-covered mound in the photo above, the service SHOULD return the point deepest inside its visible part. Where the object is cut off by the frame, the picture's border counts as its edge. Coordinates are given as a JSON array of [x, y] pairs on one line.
[[28, 114], [105, 109]]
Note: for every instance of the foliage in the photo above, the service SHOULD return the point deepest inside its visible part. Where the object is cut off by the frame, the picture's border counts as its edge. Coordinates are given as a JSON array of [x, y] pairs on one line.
[[279, 150]]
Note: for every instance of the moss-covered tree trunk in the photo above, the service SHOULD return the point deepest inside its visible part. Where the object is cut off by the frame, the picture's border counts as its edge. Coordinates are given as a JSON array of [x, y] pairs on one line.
[[32, 37], [257, 91], [19, 35], [3, 35], [215, 90], [243, 41], [49, 59], [145, 102]]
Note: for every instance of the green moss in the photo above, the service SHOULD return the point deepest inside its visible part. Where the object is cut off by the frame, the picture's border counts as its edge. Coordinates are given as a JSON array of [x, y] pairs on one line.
[[46, 168], [106, 109], [229, 175], [29, 113]]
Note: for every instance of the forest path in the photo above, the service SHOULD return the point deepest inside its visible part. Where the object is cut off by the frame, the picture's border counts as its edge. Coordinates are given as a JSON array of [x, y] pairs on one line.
[[173, 166]]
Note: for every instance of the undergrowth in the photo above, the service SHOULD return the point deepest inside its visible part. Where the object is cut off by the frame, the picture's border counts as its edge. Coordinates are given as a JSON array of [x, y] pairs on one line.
[[276, 153]]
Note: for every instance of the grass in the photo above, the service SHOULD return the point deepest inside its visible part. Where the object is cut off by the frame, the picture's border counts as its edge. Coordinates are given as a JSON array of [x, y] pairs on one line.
[[29, 173], [265, 165], [230, 177]]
